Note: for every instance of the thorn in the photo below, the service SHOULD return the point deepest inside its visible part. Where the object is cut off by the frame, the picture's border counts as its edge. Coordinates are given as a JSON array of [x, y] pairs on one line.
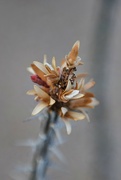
[[58, 154]]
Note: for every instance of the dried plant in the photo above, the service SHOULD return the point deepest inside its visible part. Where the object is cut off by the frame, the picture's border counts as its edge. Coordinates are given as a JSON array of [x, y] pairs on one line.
[[63, 94]]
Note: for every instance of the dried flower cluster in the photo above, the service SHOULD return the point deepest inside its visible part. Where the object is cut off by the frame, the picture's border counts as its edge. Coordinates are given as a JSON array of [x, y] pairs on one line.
[[60, 89]]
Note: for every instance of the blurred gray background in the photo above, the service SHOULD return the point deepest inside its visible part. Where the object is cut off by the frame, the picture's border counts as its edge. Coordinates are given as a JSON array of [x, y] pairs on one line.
[[28, 30]]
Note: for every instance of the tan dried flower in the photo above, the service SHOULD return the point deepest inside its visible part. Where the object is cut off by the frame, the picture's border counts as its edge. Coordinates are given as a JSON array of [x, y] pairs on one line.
[[60, 89]]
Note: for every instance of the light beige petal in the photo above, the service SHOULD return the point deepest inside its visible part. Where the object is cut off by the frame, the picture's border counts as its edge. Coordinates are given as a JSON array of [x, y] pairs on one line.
[[76, 45], [86, 115], [31, 70], [68, 87], [41, 67], [68, 126], [81, 83], [64, 94], [48, 67], [72, 94], [78, 96], [38, 72], [45, 59], [52, 101], [41, 93], [39, 108], [54, 63], [93, 103], [90, 84], [64, 110], [31, 92], [75, 115]]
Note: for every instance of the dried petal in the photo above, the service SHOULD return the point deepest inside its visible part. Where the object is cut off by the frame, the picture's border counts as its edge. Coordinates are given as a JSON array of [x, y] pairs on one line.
[[72, 94], [74, 115], [31, 70], [39, 108], [40, 66], [52, 101], [54, 63], [38, 72], [42, 94], [90, 84], [31, 92], [68, 126]]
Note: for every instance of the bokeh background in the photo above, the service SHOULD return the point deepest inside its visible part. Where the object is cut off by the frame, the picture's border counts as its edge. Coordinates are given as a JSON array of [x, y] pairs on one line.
[[28, 30]]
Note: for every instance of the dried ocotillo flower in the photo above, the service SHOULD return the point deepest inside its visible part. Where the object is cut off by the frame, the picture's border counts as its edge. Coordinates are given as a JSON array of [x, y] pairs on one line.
[[59, 88]]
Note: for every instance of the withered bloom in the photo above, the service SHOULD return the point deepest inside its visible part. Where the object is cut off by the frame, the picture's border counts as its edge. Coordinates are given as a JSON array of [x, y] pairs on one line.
[[59, 89]]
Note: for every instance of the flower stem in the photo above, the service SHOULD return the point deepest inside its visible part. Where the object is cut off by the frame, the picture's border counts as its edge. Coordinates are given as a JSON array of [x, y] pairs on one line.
[[41, 159]]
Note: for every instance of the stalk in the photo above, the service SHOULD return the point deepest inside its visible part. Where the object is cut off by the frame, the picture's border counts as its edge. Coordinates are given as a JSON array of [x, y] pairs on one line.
[[41, 160]]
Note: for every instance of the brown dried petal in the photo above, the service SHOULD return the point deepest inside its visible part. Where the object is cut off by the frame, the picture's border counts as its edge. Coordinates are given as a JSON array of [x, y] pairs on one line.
[[74, 52], [38, 72]]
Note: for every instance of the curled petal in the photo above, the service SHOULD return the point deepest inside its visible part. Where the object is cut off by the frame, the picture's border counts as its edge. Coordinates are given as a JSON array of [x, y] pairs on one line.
[[42, 94], [78, 96], [48, 67], [38, 72], [64, 94], [31, 70], [39, 108], [74, 115], [72, 94], [68, 126], [86, 115], [40, 66]]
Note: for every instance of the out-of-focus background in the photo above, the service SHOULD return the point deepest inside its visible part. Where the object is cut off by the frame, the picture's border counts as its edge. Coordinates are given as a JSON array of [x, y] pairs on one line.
[[28, 30]]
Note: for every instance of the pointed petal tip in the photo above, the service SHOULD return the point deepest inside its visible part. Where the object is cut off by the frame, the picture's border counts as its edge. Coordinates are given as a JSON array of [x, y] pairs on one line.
[[68, 126], [31, 92], [29, 69], [77, 43], [53, 58], [64, 110], [52, 101], [39, 107], [94, 102]]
